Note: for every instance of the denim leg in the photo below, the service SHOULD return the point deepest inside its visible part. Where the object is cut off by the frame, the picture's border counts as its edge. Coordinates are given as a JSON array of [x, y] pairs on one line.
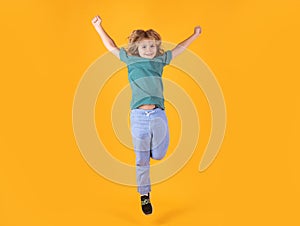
[[150, 136], [160, 135], [143, 171], [141, 138]]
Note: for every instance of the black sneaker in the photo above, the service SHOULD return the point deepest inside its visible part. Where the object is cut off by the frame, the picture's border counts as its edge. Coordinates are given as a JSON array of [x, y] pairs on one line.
[[146, 205]]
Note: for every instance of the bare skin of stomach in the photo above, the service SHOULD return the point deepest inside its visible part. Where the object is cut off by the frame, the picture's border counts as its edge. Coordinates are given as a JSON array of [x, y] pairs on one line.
[[147, 106]]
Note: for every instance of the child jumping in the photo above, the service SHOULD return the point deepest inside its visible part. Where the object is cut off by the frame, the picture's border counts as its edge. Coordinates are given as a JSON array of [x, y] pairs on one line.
[[145, 60]]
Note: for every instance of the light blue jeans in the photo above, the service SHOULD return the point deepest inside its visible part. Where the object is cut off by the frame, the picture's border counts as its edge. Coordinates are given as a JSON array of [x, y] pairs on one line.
[[150, 137]]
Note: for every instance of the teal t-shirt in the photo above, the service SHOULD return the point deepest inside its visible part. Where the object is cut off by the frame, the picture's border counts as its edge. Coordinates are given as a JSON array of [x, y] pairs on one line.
[[145, 77]]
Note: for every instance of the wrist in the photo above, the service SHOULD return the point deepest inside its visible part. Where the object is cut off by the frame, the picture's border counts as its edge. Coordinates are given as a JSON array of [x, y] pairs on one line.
[[98, 27], [195, 35]]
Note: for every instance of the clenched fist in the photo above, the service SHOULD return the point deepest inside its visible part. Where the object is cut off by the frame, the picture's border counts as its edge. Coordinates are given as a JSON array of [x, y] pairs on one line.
[[96, 21], [197, 31]]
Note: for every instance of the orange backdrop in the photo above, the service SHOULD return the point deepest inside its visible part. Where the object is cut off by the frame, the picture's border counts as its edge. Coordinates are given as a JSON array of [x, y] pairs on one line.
[[251, 46]]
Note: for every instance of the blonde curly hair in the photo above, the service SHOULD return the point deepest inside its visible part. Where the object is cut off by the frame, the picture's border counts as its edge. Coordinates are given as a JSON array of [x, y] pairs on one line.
[[138, 35]]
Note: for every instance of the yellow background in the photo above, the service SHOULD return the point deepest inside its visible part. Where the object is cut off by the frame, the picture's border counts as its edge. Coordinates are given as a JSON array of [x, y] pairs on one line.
[[251, 46]]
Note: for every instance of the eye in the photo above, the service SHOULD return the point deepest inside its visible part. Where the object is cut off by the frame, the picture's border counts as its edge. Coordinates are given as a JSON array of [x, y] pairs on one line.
[[144, 47], [152, 46]]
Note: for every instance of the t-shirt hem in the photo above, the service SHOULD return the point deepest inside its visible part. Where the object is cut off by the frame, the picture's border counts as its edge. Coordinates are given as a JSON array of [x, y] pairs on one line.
[[156, 101]]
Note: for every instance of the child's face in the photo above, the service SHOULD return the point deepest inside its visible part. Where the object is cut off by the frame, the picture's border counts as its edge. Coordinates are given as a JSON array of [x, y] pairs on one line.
[[147, 48]]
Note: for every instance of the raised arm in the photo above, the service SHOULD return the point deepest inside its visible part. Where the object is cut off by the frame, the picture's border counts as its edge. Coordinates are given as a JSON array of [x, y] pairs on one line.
[[184, 44], [106, 39]]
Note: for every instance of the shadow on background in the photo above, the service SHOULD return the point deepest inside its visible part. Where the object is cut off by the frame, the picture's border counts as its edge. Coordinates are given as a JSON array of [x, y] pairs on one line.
[[173, 213]]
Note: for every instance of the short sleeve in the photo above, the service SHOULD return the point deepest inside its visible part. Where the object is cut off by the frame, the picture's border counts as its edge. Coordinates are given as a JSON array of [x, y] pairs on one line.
[[167, 57], [123, 55]]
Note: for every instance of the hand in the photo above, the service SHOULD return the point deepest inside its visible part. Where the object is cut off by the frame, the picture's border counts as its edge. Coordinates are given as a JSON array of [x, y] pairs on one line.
[[197, 31], [96, 21]]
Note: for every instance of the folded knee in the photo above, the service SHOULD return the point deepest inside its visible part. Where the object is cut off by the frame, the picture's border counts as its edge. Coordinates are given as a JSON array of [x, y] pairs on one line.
[[157, 156]]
